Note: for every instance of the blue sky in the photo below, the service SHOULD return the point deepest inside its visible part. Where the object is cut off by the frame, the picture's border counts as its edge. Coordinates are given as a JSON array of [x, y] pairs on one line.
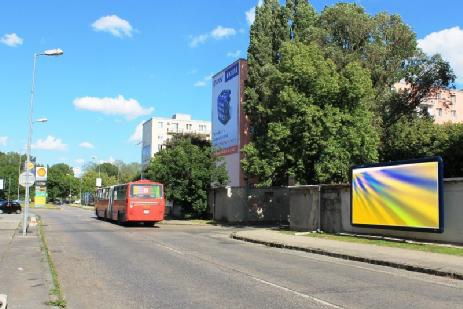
[[143, 58]]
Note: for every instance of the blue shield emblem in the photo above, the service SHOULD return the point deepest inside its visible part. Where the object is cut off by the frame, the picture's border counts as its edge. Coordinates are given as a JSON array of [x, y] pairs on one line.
[[223, 106]]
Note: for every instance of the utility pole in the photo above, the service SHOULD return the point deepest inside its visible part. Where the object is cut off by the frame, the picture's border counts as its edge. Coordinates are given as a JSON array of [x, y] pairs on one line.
[[19, 172]]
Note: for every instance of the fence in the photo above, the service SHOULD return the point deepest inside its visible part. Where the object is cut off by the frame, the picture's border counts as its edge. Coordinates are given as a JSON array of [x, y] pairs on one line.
[[324, 207]]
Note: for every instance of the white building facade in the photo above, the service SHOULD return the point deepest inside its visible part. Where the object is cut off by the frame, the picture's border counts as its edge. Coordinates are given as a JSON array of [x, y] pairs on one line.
[[157, 131]]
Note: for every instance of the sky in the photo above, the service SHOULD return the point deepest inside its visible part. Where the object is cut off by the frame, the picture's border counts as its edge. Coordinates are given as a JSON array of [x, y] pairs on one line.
[[127, 61]]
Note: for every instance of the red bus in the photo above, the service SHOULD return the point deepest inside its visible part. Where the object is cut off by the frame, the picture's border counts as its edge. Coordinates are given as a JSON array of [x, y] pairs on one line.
[[139, 201]]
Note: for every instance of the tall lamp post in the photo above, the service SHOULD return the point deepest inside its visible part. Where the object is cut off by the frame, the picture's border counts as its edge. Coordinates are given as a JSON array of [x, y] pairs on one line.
[[70, 183], [51, 52]]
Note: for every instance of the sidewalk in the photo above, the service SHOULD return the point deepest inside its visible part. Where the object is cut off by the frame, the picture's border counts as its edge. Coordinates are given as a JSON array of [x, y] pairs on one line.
[[24, 274], [425, 262]]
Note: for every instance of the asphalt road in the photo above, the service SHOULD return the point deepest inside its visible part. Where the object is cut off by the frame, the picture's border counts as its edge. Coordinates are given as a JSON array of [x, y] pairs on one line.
[[103, 265]]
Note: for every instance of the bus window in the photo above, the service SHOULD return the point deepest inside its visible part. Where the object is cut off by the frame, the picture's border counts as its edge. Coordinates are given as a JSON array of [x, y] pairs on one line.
[[122, 192], [146, 191]]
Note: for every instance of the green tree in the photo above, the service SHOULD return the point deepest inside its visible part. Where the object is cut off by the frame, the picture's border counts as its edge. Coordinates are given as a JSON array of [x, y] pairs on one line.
[[187, 169], [60, 181], [319, 95], [9, 172], [322, 124]]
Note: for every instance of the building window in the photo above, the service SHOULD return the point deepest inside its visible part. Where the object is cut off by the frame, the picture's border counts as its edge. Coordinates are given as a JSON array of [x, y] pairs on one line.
[[453, 98], [160, 125], [202, 127], [159, 147], [454, 114], [438, 95], [439, 112], [188, 126]]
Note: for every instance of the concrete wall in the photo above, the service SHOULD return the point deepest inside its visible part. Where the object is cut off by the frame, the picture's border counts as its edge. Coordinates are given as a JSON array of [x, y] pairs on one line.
[[303, 208], [300, 207], [241, 205]]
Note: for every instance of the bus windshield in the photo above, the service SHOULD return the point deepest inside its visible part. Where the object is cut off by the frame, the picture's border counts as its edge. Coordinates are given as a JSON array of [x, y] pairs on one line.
[[146, 191]]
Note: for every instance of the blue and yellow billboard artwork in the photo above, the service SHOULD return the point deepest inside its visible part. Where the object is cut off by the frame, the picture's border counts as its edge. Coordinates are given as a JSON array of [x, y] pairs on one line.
[[403, 195]]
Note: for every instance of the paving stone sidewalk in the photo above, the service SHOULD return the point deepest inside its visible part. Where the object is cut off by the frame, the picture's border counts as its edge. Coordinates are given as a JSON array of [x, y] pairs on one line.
[[24, 274], [419, 261]]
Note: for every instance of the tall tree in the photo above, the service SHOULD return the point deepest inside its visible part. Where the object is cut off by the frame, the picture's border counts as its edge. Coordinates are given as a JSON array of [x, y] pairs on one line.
[[322, 124], [320, 100], [187, 169]]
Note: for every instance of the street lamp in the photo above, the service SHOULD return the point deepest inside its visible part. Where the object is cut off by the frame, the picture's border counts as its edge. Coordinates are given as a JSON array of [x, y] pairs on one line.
[[95, 158], [50, 52], [70, 182]]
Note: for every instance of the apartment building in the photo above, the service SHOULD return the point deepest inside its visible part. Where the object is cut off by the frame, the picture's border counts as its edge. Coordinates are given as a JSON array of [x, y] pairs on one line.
[[445, 105], [157, 131]]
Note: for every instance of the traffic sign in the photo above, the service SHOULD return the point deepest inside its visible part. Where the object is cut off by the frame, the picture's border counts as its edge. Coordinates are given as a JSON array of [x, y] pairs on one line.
[[29, 165], [26, 178]]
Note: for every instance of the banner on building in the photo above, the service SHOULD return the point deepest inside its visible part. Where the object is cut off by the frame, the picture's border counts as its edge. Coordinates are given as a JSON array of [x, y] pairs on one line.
[[225, 110]]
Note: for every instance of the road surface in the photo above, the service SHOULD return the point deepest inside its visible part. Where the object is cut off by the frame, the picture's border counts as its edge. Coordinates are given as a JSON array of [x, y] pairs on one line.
[[103, 265]]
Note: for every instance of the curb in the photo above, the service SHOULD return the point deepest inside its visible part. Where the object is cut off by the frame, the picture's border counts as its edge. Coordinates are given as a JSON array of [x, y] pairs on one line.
[[408, 267]]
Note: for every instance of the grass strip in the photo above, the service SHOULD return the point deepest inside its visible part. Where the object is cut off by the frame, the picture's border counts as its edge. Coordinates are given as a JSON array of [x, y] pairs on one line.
[[58, 298], [426, 247]]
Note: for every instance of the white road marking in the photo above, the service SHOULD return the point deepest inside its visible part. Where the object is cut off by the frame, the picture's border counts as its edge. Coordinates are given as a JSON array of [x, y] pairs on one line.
[[315, 299], [274, 285]]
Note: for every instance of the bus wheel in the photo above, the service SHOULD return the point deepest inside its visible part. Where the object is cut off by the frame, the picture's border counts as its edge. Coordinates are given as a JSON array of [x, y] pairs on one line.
[[148, 223], [120, 221]]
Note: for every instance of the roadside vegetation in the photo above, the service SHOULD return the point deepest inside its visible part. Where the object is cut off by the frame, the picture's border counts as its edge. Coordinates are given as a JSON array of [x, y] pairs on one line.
[[56, 294], [427, 247], [188, 169], [320, 97]]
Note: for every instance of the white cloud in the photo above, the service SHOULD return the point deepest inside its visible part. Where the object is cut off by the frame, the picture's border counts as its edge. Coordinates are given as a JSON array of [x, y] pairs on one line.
[[86, 145], [129, 108], [11, 39], [109, 160], [217, 33], [137, 134], [113, 24], [234, 54], [203, 82], [199, 39], [448, 43], [50, 143], [200, 83], [222, 33], [80, 161], [251, 13], [3, 140]]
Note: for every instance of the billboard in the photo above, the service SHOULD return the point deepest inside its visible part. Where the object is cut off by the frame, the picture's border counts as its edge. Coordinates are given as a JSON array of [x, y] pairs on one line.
[[225, 110], [402, 195]]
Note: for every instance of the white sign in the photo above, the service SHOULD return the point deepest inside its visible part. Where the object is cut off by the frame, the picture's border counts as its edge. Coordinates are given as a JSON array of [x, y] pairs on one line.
[[225, 110], [41, 173], [98, 182], [26, 179], [1, 184]]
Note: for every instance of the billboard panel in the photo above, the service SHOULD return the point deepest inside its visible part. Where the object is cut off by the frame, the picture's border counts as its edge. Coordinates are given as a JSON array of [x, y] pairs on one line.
[[225, 110], [401, 195]]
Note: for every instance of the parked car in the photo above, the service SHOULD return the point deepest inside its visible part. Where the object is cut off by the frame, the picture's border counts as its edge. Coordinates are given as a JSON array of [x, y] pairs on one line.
[[57, 202], [9, 207]]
